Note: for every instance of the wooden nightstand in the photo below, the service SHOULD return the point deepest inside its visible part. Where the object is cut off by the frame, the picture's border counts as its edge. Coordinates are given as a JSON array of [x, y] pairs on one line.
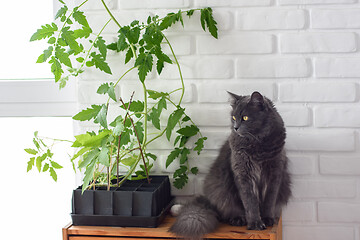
[[121, 233]]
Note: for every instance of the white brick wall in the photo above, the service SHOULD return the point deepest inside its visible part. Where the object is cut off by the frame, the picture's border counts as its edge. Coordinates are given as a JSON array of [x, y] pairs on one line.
[[302, 54]]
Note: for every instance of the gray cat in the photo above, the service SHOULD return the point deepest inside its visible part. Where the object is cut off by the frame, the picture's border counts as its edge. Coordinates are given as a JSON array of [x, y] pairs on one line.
[[248, 183]]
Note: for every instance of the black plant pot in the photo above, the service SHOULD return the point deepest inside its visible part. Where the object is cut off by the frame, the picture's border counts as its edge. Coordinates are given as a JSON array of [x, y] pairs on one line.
[[134, 204]]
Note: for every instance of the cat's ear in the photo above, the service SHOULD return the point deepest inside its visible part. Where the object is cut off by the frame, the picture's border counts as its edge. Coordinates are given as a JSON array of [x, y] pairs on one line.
[[233, 99], [257, 98]]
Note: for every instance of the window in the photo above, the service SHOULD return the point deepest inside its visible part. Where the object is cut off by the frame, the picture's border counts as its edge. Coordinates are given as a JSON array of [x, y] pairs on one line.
[[33, 206]]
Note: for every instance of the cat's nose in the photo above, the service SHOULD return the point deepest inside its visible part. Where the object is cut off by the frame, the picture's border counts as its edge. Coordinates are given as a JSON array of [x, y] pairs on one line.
[[236, 128]]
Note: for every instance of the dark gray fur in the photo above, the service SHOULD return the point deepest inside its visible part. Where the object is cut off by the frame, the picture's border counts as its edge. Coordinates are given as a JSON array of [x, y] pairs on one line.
[[248, 183]]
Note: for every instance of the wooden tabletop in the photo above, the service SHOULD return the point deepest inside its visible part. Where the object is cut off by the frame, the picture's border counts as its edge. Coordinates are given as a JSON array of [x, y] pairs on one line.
[[223, 231]]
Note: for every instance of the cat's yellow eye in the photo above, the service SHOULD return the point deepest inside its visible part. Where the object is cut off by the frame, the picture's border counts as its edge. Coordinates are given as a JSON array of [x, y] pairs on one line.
[[245, 118], [234, 118]]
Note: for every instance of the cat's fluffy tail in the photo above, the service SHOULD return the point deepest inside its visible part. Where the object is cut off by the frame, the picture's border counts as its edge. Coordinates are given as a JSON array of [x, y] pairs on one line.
[[195, 219]]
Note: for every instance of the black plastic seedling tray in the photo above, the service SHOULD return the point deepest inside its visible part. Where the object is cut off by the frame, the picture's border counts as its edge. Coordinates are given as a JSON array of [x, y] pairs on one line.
[[134, 204]]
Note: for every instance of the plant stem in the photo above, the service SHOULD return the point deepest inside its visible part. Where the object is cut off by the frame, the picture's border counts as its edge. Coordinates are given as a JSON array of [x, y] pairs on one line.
[[178, 66], [140, 147], [111, 15]]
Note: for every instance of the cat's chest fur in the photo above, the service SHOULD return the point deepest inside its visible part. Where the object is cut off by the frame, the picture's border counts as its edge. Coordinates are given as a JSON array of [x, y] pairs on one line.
[[250, 171]]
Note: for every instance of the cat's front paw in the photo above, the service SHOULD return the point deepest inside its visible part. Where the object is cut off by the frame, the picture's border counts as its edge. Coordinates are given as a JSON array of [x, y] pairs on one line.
[[269, 221], [256, 225], [238, 221]]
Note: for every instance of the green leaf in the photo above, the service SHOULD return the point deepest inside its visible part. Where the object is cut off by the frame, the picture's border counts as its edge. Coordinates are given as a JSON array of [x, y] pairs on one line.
[[70, 39], [45, 31], [46, 167], [194, 170], [133, 35], [63, 56], [56, 68], [90, 158], [188, 131], [100, 63], [184, 155], [207, 19], [155, 95], [109, 89], [100, 43], [129, 161], [129, 55], [84, 32], [173, 120], [154, 117], [169, 20], [30, 164], [55, 165], [31, 151], [43, 57], [200, 145], [144, 62], [182, 170], [88, 114], [180, 181], [61, 12], [136, 106], [140, 131], [89, 173], [89, 140], [190, 12], [172, 156], [152, 156], [162, 104], [39, 161], [101, 117], [121, 44], [81, 152], [118, 128], [53, 174], [104, 157], [80, 17]]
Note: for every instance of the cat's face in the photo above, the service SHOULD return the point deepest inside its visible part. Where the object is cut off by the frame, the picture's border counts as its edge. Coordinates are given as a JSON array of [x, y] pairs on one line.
[[250, 115]]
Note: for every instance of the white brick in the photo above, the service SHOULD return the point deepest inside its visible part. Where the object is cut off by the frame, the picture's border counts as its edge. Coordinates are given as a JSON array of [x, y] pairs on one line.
[[206, 67], [272, 67], [235, 3], [337, 67], [324, 188], [216, 91], [318, 233], [320, 140], [339, 212], [299, 212], [215, 138], [335, 18], [337, 116], [317, 92], [141, 4], [296, 2], [340, 165], [270, 19], [295, 116], [244, 43], [302, 164], [317, 42], [210, 115], [181, 45]]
